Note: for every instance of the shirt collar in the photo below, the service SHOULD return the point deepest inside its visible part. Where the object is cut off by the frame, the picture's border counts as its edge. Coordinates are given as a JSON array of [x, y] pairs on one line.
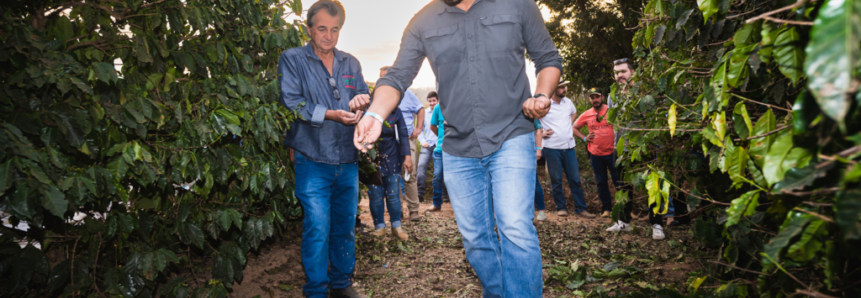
[[446, 8], [309, 51]]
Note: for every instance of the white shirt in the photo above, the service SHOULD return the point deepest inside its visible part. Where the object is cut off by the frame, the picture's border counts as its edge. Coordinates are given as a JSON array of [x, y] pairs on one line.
[[427, 136], [558, 119]]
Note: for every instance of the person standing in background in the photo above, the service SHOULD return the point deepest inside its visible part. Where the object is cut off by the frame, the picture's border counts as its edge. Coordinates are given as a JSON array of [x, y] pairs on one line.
[[414, 114], [427, 139]]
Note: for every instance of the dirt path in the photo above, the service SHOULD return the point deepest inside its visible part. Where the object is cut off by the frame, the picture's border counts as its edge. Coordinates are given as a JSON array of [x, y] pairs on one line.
[[432, 263]]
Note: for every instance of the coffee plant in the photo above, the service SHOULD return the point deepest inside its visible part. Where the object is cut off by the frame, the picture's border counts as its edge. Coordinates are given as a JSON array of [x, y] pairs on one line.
[[161, 122]]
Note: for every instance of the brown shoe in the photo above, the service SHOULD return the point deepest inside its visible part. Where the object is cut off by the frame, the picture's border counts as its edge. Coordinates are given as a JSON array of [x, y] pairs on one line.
[[414, 216], [400, 234], [433, 209], [562, 213], [381, 232], [585, 214], [606, 214]]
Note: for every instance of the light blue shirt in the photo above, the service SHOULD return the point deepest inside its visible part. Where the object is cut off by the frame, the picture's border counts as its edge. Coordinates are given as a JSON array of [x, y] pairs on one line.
[[410, 105], [427, 136]]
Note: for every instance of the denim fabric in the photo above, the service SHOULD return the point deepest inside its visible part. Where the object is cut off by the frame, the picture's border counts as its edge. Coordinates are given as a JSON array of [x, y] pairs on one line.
[[565, 161], [438, 182], [329, 195], [425, 157], [490, 192], [383, 197], [602, 164], [539, 194], [305, 89]]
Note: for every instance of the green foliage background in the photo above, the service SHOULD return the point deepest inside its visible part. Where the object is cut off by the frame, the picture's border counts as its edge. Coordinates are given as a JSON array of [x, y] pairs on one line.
[[111, 107], [751, 108]]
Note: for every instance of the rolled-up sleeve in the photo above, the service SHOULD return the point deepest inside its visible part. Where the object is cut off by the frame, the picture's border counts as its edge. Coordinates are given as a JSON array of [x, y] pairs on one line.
[[292, 95], [539, 45], [410, 57]]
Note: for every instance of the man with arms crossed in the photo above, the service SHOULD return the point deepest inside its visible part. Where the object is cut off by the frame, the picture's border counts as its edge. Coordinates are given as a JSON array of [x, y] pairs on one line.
[[476, 49], [412, 108], [560, 155], [317, 81]]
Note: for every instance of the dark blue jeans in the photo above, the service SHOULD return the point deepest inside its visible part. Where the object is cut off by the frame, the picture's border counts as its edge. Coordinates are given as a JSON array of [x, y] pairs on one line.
[[388, 191], [539, 195], [438, 181], [601, 165], [329, 195], [565, 161]]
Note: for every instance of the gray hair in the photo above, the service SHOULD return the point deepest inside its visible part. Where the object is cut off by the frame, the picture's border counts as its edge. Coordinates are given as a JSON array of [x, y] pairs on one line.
[[332, 7]]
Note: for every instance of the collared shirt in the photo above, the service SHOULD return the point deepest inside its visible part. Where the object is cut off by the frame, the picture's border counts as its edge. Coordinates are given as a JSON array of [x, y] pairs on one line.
[[602, 144], [438, 120], [305, 89], [410, 106], [558, 119], [427, 136], [393, 148], [478, 58]]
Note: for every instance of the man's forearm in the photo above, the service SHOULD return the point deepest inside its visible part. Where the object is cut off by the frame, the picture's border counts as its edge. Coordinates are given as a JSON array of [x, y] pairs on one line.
[[577, 132], [420, 119], [385, 101], [547, 80]]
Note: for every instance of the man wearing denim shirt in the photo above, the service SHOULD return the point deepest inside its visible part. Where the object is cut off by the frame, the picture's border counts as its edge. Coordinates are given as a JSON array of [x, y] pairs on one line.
[[318, 81], [476, 49]]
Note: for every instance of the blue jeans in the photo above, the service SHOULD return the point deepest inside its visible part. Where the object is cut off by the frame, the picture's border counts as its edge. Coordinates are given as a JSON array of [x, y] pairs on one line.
[[425, 157], [329, 195], [390, 190], [495, 191], [539, 194], [602, 164], [565, 161], [438, 181]]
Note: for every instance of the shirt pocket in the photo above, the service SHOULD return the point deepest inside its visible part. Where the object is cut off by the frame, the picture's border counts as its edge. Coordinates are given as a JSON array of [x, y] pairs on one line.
[[502, 33], [444, 45]]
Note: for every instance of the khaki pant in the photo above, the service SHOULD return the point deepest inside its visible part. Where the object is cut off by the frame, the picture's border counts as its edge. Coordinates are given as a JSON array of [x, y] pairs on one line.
[[411, 187]]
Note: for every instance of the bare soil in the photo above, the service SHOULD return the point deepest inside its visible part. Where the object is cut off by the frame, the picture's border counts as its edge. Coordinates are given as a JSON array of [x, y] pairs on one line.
[[433, 264]]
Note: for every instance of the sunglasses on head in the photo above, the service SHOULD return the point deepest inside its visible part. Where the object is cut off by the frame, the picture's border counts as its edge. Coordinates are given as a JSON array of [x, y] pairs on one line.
[[334, 88], [620, 61]]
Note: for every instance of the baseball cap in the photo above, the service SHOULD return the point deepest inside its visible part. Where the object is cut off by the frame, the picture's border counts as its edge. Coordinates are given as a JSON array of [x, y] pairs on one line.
[[561, 83], [594, 91]]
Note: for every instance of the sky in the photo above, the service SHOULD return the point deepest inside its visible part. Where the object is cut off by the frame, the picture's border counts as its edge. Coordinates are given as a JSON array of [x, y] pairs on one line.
[[372, 33]]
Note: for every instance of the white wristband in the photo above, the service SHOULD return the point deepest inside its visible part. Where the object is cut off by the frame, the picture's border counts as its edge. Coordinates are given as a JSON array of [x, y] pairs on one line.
[[375, 116]]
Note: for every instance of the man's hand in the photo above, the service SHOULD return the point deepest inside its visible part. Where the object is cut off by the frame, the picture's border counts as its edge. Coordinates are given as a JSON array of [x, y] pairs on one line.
[[590, 137], [425, 145], [360, 102], [547, 133], [367, 132], [343, 117], [536, 107], [537, 154], [408, 164], [415, 134]]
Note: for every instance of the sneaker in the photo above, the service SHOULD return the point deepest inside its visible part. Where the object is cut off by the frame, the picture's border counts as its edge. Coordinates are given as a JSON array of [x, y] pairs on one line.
[[414, 216], [381, 232], [619, 226], [400, 234], [433, 209], [606, 214], [349, 292], [541, 216], [562, 213], [585, 214], [657, 232]]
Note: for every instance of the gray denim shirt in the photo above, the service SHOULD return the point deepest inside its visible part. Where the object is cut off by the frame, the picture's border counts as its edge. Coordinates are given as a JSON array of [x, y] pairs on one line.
[[478, 59], [305, 89]]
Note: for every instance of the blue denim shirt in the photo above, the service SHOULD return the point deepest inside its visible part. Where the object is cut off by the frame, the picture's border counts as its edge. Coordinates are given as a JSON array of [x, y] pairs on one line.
[[305, 89]]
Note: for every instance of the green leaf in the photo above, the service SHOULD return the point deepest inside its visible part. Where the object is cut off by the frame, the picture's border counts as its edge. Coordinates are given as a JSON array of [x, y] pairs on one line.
[[745, 35], [21, 202], [671, 120], [247, 63], [719, 125], [105, 72], [793, 226], [745, 124], [81, 85], [654, 188], [789, 54], [759, 146], [835, 56], [141, 49], [6, 176], [773, 167], [806, 247], [54, 201], [296, 5], [738, 69], [736, 161], [224, 219], [59, 275], [743, 206], [708, 7], [848, 213], [195, 234]]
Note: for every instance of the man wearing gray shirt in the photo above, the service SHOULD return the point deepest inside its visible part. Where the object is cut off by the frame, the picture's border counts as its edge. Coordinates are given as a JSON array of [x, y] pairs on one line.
[[476, 49]]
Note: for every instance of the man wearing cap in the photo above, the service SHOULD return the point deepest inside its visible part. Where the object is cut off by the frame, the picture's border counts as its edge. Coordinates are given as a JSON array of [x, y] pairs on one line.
[[600, 145], [559, 152]]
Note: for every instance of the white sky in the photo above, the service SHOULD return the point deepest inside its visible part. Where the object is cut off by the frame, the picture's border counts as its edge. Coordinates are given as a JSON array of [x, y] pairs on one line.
[[373, 30]]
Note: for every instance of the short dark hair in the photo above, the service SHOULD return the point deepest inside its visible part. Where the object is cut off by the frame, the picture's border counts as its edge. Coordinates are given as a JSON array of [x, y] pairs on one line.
[[332, 7], [625, 61], [433, 94]]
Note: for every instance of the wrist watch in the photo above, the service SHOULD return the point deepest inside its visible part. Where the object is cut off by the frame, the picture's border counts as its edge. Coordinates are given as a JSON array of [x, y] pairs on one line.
[[539, 95]]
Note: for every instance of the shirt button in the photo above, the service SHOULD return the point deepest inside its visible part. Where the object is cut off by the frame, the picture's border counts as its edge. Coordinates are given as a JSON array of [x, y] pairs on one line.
[[471, 58], [473, 82], [469, 36]]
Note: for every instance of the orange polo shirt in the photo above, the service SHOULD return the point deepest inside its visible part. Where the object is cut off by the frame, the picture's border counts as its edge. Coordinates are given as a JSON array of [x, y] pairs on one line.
[[602, 144]]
